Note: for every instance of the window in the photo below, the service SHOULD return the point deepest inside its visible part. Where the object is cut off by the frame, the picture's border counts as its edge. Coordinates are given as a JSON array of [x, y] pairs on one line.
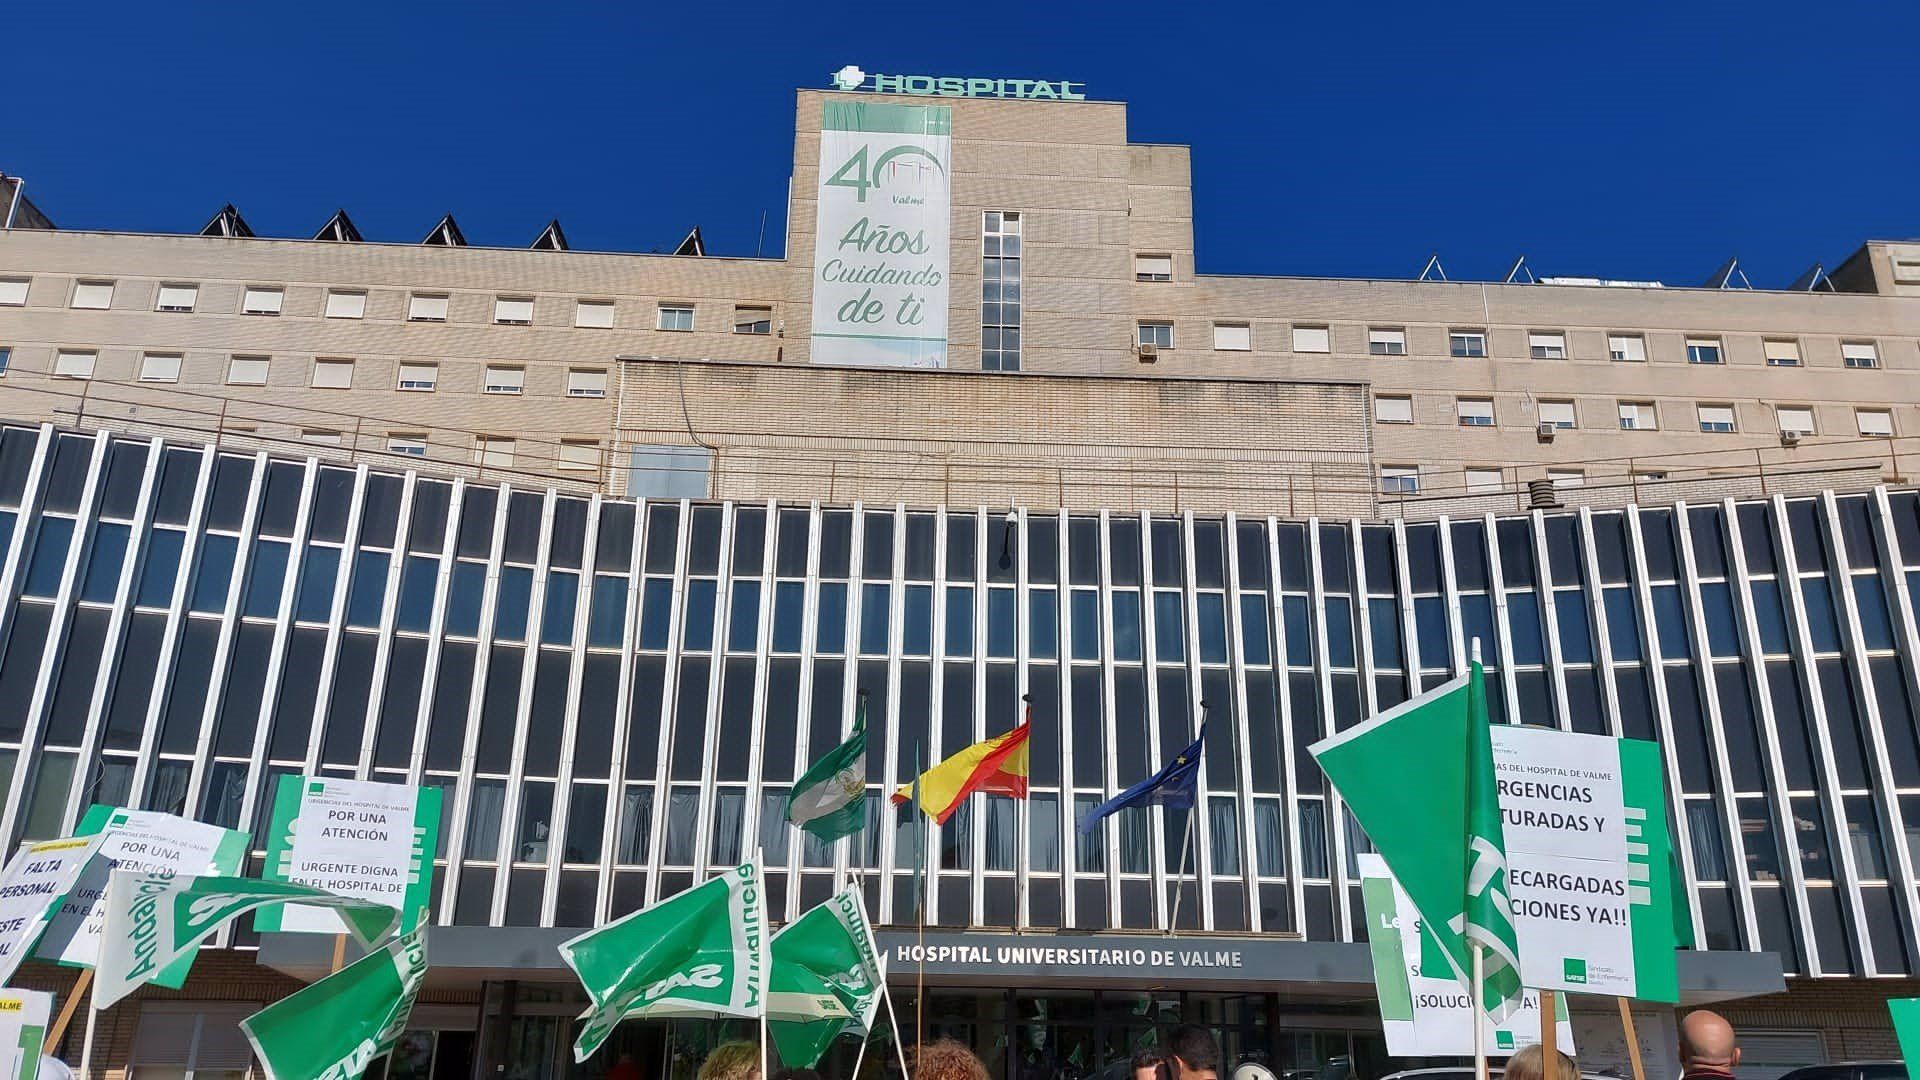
[[586, 382], [1399, 479], [1794, 418], [160, 367], [173, 1040], [93, 295], [1557, 413], [412, 444], [346, 305], [427, 307], [1627, 348], [676, 317], [13, 292], [176, 298], [505, 380], [1153, 268], [1484, 480], [261, 301], [73, 365], [1716, 418], [1475, 412], [320, 436], [670, 472], [6, 359], [593, 314], [1387, 342], [493, 450], [1392, 410], [1703, 350], [576, 454], [1312, 339], [247, 371], [1638, 416], [1874, 423], [332, 374], [1466, 343], [1232, 337], [752, 319], [1159, 334], [1650, 474], [419, 377], [1855, 354], [1566, 478], [1000, 242], [513, 310], [1782, 353], [1547, 345]]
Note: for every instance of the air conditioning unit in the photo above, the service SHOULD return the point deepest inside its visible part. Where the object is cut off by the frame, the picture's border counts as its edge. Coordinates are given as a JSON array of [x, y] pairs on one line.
[[1545, 430], [1149, 352], [1789, 438]]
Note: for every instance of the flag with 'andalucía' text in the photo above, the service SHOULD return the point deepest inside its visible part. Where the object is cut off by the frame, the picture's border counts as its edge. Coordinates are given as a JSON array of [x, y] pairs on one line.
[[338, 1026]]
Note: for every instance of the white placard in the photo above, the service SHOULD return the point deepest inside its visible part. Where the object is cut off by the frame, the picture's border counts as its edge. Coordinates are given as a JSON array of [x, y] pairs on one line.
[[23, 1032], [350, 837], [34, 881]]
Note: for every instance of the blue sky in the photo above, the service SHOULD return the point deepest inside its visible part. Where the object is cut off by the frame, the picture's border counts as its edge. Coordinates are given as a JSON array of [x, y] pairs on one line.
[[1625, 140]]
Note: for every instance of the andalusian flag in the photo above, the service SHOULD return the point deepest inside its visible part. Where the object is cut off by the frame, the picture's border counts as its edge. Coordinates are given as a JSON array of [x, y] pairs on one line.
[[1419, 779], [997, 766], [830, 800]]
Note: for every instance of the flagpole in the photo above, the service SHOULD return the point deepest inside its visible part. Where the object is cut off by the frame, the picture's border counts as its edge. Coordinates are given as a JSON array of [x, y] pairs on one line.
[[1021, 822], [1479, 1004], [760, 872], [893, 1023], [1179, 879], [859, 1057]]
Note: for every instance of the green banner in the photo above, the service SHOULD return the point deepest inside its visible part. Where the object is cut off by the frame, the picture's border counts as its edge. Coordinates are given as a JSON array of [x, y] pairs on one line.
[[338, 1026], [827, 979], [1906, 1028]]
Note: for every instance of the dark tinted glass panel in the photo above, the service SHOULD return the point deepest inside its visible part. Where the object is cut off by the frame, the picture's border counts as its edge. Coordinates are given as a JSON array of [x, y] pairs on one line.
[[477, 510], [179, 479], [380, 510], [523, 527], [133, 681], [187, 697], [1336, 558], [400, 704], [499, 705], [551, 673], [299, 688], [749, 541], [126, 470], [73, 690], [347, 710], [599, 699], [427, 528], [1516, 553], [1756, 537], [1803, 524], [67, 478], [1656, 536], [1293, 557], [1709, 535], [644, 734], [613, 550], [452, 687], [1470, 554], [663, 538], [18, 445], [49, 560], [1043, 550], [1251, 537], [568, 545], [876, 547], [919, 547], [1795, 743]]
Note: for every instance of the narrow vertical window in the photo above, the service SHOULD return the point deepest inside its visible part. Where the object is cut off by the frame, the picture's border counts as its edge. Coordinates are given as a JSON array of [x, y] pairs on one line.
[[1000, 291]]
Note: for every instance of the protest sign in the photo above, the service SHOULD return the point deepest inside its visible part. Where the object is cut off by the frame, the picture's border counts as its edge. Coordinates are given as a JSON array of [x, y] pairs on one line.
[[23, 1032], [352, 838], [827, 978], [34, 882], [338, 1026]]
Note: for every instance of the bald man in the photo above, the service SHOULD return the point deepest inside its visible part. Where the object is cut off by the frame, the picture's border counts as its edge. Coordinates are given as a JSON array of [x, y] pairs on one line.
[[1707, 1048]]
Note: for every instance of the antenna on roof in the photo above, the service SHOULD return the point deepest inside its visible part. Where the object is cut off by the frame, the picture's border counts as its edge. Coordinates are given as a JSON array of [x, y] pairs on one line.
[[227, 222], [339, 228], [551, 238], [1521, 271], [1814, 280], [445, 234], [1433, 268], [1724, 277]]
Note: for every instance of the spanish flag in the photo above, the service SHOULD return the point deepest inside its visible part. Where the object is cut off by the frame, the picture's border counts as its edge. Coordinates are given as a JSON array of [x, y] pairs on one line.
[[997, 766]]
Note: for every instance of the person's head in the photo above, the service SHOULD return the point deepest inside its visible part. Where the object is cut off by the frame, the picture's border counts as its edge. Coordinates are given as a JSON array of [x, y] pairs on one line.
[[1707, 1044], [732, 1061], [1150, 1063], [1194, 1052], [944, 1059], [1531, 1064]]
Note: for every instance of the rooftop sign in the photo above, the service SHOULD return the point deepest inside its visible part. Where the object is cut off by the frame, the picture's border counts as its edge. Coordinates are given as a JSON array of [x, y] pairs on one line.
[[852, 78]]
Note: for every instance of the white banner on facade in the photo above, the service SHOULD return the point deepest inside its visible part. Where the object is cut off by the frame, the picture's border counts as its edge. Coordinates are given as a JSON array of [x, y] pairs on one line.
[[881, 249], [37, 879], [357, 838], [23, 1032]]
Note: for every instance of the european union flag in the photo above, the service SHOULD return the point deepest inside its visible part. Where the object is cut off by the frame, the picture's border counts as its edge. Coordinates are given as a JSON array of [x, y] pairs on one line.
[[1172, 786]]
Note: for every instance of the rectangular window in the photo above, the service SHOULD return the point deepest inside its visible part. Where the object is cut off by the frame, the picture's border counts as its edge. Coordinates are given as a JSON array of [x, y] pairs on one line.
[[1626, 348], [6, 360], [586, 382], [1873, 422], [332, 374], [1484, 480], [177, 298], [73, 365], [1399, 479], [493, 450], [752, 320], [1000, 287], [346, 305], [1312, 339], [1467, 343], [247, 371], [1157, 334], [675, 317], [13, 292], [320, 436], [1794, 418], [1387, 342], [93, 295], [1567, 478], [669, 472], [419, 377], [427, 307], [1392, 410], [505, 380], [513, 310], [1781, 353], [261, 300], [579, 454], [1474, 412], [1232, 337], [1153, 268], [1638, 416], [1558, 413], [1547, 345], [1716, 418], [1703, 350], [1859, 354], [410, 443], [593, 314], [160, 367]]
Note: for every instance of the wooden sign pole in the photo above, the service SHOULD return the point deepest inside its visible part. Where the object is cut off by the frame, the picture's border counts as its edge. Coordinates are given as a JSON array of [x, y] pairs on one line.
[[1549, 1033], [1633, 1039], [81, 988]]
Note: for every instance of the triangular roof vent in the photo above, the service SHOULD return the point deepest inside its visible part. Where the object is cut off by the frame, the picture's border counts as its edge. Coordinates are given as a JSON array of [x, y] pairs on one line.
[[551, 238], [1814, 280], [339, 228], [227, 222], [445, 234], [1729, 276], [692, 245]]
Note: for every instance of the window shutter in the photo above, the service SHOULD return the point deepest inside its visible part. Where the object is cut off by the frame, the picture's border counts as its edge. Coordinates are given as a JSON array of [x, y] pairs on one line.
[[333, 374], [262, 302], [223, 1046], [93, 295], [177, 297], [13, 292], [1556, 412], [427, 309], [163, 1038], [582, 383], [513, 312], [1393, 410], [1874, 421], [505, 380], [159, 368], [247, 371], [1311, 339], [593, 314], [1782, 352], [1153, 264], [74, 365], [1232, 338], [419, 376], [579, 455], [346, 305]]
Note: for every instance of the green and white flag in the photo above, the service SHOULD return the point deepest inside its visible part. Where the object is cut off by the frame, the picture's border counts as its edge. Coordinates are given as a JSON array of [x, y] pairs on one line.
[[1419, 779], [154, 919], [702, 953], [335, 1028], [23, 1032], [827, 979], [829, 801]]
